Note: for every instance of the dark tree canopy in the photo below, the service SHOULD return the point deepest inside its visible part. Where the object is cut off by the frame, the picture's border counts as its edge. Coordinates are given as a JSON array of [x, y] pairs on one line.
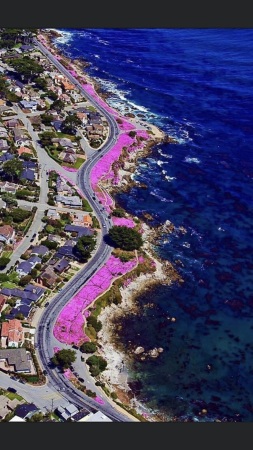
[[84, 247], [70, 124], [26, 67], [13, 168], [125, 238], [64, 358]]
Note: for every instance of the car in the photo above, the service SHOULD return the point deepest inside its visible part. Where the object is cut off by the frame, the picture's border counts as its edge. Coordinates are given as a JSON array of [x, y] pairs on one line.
[[81, 379], [46, 304], [103, 226], [76, 374], [11, 389], [44, 372]]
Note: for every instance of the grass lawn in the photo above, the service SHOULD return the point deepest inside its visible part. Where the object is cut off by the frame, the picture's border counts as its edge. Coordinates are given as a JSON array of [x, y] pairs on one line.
[[6, 254], [12, 395], [77, 164], [9, 284]]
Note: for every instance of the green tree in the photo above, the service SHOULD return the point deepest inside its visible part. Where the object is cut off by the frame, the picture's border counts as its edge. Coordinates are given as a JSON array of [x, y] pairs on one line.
[[47, 118], [19, 215], [124, 238], [25, 280], [26, 67], [88, 347], [4, 261], [13, 168], [40, 82], [58, 105], [64, 358], [70, 124], [94, 322], [9, 199], [52, 245], [46, 138], [84, 246], [119, 212], [96, 364]]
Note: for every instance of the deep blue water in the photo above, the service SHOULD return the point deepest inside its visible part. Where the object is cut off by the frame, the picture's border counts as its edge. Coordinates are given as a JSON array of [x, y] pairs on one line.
[[196, 85]]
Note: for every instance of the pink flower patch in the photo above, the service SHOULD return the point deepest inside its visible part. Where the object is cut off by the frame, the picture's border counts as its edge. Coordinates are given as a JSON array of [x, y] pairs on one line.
[[123, 221], [56, 349], [69, 326], [99, 400], [68, 374], [69, 169]]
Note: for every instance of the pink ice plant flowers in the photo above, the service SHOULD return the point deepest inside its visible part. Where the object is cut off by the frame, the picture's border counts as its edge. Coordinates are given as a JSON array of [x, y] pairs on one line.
[[123, 222], [69, 327]]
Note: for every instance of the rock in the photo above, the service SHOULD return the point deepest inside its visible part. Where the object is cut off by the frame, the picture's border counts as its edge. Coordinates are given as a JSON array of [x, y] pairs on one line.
[[154, 353], [139, 350], [160, 349]]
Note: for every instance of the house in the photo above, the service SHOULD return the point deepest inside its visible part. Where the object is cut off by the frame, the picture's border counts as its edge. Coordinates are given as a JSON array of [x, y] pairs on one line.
[[12, 334], [4, 146], [6, 157], [71, 201], [13, 123], [26, 410], [62, 187], [20, 309], [5, 186], [39, 250], [79, 230], [25, 267], [48, 277], [7, 406], [61, 266], [67, 411], [54, 238], [7, 234], [17, 419], [16, 359], [53, 214], [23, 150], [87, 220], [85, 416], [66, 250], [31, 293], [68, 157], [56, 124], [28, 175], [30, 105]]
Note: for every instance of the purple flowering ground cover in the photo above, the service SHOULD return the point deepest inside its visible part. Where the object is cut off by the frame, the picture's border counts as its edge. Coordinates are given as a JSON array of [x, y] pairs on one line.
[[69, 326]]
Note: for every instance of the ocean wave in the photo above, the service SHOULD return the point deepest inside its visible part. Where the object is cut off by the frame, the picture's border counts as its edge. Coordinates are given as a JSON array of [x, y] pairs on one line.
[[65, 37], [192, 160], [168, 178], [163, 199], [165, 155]]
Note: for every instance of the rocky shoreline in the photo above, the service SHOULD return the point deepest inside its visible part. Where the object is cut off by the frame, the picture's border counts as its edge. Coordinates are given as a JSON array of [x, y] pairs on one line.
[[116, 375]]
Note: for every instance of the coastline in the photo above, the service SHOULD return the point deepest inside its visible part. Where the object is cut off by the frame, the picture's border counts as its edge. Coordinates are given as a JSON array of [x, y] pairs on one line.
[[116, 375]]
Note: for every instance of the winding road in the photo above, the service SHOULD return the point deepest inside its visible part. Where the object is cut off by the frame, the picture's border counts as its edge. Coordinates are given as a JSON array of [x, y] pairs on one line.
[[44, 338]]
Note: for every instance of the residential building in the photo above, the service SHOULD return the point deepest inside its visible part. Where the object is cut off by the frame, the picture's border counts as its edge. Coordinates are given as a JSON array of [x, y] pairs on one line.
[[61, 266], [71, 201], [25, 267], [12, 334], [67, 411], [7, 234], [26, 410], [48, 277], [16, 359]]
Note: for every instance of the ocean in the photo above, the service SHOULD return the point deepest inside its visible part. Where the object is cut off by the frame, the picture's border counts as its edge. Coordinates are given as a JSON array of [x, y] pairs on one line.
[[195, 85]]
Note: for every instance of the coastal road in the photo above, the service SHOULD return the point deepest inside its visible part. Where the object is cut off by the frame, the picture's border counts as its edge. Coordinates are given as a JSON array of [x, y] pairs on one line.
[[44, 338]]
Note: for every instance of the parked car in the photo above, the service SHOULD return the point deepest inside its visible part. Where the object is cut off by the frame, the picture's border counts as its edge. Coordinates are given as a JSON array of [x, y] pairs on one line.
[[11, 389]]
